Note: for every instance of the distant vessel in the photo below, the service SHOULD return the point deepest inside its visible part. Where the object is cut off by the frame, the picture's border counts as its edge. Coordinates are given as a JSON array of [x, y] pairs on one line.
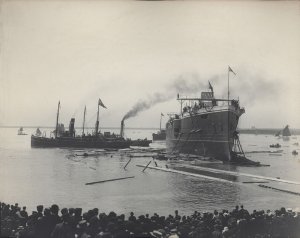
[[285, 132], [139, 142], [205, 126], [161, 134], [21, 132], [64, 138], [38, 132]]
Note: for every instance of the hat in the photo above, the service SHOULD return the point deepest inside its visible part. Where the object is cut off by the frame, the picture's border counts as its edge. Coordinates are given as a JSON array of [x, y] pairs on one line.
[[225, 229], [173, 236], [156, 234], [82, 224]]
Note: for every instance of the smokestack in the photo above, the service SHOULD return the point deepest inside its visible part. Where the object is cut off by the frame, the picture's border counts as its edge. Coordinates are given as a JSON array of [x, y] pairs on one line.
[[122, 128], [71, 127]]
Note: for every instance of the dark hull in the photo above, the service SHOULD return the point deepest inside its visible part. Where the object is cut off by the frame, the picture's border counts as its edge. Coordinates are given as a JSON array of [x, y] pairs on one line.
[[206, 134], [142, 143], [159, 136], [78, 142]]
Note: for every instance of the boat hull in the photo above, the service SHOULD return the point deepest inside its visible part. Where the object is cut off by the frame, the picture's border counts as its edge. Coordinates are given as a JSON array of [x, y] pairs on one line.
[[78, 142], [206, 134], [142, 143], [159, 136]]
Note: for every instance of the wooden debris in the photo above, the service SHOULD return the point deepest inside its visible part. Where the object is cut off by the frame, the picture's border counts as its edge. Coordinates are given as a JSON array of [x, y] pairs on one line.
[[108, 180]]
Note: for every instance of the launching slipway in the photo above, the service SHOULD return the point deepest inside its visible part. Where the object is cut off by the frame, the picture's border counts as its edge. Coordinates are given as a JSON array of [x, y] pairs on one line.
[[219, 171]]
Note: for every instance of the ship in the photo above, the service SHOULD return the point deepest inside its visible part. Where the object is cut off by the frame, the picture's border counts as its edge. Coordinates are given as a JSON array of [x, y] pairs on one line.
[[161, 134], [68, 138], [139, 142], [21, 132], [285, 132], [206, 126]]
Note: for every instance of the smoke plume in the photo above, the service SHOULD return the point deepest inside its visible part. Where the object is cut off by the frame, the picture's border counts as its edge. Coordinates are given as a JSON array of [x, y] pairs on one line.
[[185, 83], [249, 87]]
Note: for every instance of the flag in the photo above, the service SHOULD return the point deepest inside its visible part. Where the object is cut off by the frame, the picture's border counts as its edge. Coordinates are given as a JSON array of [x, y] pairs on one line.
[[161, 114], [210, 87], [100, 103], [230, 70]]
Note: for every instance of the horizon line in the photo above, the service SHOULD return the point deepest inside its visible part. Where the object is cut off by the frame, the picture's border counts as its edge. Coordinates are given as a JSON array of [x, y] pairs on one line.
[[146, 128]]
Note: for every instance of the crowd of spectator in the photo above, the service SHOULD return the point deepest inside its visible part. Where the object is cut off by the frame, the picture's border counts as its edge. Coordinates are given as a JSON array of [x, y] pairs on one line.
[[69, 223]]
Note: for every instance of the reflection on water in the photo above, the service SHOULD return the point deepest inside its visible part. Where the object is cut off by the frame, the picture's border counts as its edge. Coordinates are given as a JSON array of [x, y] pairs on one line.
[[47, 176]]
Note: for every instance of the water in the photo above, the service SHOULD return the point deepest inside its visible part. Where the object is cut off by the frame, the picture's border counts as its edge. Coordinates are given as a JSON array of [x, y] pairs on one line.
[[33, 176]]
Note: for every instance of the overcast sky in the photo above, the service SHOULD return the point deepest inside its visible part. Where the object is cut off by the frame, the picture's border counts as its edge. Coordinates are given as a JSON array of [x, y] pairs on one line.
[[123, 52]]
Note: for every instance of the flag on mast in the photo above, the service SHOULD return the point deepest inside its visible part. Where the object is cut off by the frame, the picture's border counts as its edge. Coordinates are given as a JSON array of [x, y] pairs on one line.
[[230, 70], [100, 103]]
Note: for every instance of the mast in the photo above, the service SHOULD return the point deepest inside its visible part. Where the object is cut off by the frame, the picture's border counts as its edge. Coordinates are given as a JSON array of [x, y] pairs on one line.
[[56, 127], [228, 131], [97, 122], [228, 86], [83, 120]]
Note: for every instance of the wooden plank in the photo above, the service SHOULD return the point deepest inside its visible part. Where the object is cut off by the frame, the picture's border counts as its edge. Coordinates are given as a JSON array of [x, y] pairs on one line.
[[109, 180], [278, 189]]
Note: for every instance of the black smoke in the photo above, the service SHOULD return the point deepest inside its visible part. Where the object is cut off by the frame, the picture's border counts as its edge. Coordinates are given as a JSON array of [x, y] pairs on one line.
[[185, 83], [248, 86]]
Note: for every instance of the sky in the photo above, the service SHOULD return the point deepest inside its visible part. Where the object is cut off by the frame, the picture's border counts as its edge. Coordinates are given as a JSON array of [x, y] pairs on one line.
[[128, 52]]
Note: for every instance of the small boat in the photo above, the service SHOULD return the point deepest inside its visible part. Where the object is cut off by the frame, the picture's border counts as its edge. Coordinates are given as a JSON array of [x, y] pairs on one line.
[[275, 145], [21, 132], [139, 142]]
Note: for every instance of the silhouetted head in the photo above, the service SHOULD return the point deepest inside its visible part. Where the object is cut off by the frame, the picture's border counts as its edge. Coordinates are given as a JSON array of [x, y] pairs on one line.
[[54, 209], [71, 211], [40, 208], [64, 211], [78, 211], [96, 211]]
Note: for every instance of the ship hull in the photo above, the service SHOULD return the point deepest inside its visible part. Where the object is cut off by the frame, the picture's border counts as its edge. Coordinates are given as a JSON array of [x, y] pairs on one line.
[[80, 142], [207, 134]]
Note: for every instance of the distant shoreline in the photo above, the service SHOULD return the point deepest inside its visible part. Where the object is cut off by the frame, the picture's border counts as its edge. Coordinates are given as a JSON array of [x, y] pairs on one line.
[[254, 131]]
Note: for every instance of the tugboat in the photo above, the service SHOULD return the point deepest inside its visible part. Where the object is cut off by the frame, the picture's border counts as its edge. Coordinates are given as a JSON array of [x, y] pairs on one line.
[[206, 126], [161, 134], [139, 142], [69, 138], [21, 132]]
